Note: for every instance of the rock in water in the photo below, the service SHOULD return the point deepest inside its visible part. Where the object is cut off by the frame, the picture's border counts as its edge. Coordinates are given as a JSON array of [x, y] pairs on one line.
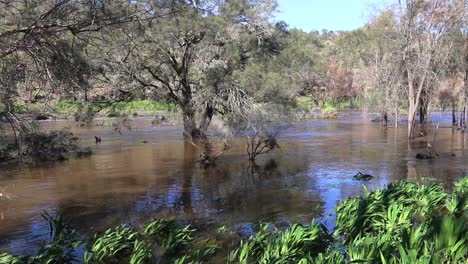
[[423, 156], [363, 177], [40, 117]]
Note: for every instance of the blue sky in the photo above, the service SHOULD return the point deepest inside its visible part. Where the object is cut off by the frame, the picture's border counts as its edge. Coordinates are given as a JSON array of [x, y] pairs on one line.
[[327, 14]]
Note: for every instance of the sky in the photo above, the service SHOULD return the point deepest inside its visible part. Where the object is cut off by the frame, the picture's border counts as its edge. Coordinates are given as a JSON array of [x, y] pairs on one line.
[[333, 15]]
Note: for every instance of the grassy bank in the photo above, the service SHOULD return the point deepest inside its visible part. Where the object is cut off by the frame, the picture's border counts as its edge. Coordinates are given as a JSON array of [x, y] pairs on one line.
[[307, 103], [404, 223], [68, 108], [71, 109]]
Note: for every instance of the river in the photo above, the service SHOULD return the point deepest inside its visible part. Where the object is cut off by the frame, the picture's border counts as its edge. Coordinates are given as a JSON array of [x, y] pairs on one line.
[[128, 180]]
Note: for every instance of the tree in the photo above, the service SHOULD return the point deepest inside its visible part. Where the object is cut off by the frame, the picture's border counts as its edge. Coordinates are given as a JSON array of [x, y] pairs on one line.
[[456, 66], [43, 43], [422, 27], [382, 71], [339, 81], [193, 53]]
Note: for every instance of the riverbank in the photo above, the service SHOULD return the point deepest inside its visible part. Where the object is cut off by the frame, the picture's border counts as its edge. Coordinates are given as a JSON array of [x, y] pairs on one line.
[[403, 223], [67, 109]]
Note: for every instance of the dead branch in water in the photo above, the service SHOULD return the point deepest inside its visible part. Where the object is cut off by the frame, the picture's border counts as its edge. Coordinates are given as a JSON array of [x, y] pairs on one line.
[[4, 195]]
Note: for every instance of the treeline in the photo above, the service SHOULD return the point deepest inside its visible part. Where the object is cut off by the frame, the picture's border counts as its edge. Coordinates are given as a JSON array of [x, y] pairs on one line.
[[230, 59]]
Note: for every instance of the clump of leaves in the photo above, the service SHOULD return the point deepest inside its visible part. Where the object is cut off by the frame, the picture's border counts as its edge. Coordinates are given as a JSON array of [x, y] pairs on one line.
[[177, 239], [138, 246], [115, 243], [296, 244], [6, 258], [63, 242], [405, 223], [142, 252]]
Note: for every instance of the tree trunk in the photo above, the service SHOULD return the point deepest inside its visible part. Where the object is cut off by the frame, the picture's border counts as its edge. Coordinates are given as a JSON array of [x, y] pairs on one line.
[[413, 98], [206, 120], [462, 121], [465, 117], [396, 116], [191, 130], [466, 95], [454, 116], [385, 119], [422, 108], [411, 120]]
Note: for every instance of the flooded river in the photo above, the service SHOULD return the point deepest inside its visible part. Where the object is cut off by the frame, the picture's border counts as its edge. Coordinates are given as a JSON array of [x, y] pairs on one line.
[[129, 181]]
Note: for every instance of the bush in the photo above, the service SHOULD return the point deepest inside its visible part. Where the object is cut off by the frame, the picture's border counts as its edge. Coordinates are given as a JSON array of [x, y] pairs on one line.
[[53, 145], [305, 103], [329, 113]]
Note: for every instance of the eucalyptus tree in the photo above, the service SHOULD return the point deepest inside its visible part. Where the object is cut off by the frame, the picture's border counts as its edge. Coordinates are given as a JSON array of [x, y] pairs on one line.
[[423, 26], [345, 59], [382, 70], [302, 63], [456, 66], [43, 48], [193, 53], [43, 43]]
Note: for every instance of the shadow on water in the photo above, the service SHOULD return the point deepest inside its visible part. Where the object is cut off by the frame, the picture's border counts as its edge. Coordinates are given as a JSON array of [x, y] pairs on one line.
[[131, 182]]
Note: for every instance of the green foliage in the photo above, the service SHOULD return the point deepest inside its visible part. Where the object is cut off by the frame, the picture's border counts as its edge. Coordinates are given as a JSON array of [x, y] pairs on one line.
[[138, 246], [142, 252], [143, 106], [305, 103], [53, 145], [159, 227], [114, 243], [19, 107], [84, 112], [66, 107], [177, 239], [405, 223], [293, 245], [6, 258]]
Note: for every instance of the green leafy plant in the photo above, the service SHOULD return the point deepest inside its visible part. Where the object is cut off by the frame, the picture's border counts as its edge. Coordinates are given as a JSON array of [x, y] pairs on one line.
[[114, 243]]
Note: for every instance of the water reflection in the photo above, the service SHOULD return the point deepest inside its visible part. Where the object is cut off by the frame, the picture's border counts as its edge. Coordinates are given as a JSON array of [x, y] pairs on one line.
[[128, 181]]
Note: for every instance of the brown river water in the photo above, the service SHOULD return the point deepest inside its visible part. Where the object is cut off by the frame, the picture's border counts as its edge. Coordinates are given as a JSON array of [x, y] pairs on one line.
[[128, 181]]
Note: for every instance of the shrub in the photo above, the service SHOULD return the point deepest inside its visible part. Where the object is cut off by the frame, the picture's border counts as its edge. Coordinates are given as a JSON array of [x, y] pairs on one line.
[[305, 103], [329, 113], [53, 145]]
